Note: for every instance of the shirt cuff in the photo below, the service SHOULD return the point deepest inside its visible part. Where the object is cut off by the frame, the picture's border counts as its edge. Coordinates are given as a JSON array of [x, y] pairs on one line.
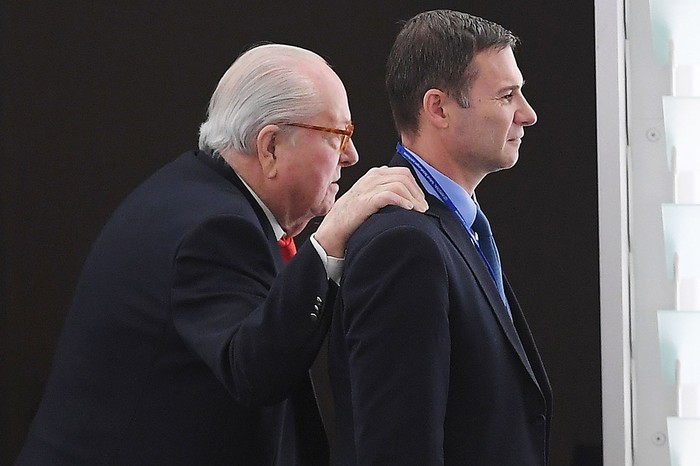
[[333, 265]]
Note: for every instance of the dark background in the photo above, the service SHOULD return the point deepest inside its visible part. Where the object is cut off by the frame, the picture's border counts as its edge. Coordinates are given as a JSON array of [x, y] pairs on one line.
[[96, 95]]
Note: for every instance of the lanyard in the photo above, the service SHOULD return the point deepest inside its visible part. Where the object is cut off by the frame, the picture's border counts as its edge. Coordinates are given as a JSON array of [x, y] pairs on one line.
[[405, 153]]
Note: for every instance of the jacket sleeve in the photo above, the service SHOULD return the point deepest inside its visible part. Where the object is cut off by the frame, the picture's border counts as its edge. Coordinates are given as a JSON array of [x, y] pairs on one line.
[[398, 341], [259, 333]]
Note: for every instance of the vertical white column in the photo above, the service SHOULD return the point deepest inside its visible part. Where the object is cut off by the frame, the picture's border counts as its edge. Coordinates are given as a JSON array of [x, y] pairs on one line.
[[613, 232]]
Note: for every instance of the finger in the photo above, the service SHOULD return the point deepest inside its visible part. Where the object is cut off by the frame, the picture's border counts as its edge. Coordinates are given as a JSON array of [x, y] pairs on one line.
[[398, 189], [387, 197], [379, 176], [417, 193], [399, 180], [404, 176]]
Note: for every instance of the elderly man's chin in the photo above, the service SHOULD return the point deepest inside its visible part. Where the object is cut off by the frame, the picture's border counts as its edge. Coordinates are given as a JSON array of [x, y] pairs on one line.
[[323, 207], [332, 194]]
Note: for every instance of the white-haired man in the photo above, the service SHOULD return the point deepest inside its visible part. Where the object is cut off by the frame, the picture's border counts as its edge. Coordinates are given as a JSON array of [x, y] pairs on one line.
[[189, 341]]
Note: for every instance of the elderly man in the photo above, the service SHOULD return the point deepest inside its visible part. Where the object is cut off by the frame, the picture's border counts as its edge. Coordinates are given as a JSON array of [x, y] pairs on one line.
[[189, 341], [431, 358]]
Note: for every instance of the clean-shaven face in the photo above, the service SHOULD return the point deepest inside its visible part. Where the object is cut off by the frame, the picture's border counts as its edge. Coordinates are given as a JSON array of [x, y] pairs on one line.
[[488, 136]]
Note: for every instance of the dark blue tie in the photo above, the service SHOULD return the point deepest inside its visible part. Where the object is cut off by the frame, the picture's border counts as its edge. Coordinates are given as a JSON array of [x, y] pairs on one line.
[[488, 246]]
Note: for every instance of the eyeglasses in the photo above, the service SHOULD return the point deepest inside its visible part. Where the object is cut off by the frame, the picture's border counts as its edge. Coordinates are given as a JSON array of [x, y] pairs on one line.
[[346, 133]]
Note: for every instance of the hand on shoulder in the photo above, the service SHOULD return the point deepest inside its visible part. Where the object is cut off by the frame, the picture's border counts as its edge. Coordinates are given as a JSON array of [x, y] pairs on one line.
[[379, 187]]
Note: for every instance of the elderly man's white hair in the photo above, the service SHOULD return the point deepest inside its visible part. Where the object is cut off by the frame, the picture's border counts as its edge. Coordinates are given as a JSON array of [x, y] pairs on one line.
[[265, 85]]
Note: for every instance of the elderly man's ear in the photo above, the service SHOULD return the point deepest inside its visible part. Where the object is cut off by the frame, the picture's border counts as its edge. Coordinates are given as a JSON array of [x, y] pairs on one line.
[[266, 145]]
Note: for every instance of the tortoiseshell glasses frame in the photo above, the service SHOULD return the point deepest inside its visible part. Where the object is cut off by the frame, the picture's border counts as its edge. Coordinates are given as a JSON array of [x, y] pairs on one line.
[[346, 133]]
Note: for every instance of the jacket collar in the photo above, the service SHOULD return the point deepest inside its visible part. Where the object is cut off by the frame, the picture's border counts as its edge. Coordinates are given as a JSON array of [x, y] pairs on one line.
[[219, 165]]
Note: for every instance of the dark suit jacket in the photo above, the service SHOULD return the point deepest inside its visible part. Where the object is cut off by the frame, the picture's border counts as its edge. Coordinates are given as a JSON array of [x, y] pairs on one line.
[[426, 366], [187, 342]]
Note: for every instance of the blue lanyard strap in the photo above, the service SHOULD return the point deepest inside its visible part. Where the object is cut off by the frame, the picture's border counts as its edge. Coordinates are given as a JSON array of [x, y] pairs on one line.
[[405, 153]]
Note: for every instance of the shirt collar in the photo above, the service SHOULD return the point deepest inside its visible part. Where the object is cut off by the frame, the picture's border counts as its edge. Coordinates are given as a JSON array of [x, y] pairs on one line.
[[465, 204], [276, 227]]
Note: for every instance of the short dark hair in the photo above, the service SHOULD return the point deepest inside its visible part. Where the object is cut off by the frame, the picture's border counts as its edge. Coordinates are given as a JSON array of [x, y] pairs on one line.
[[435, 49]]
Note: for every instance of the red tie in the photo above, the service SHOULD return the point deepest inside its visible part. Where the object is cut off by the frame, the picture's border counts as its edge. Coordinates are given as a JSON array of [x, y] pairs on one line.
[[287, 248]]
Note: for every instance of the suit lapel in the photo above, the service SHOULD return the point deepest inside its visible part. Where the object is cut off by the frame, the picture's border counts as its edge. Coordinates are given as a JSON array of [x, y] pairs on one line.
[[453, 229], [536, 367]]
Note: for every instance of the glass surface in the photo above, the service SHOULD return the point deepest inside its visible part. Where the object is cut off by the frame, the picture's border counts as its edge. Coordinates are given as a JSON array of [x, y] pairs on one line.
[[681, 126], [674, 26], [684, 441], [682, 239], [687, 187], [679, 346]]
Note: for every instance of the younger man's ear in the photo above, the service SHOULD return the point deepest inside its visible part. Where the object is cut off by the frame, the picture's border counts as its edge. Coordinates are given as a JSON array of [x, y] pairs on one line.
[[435, 109]]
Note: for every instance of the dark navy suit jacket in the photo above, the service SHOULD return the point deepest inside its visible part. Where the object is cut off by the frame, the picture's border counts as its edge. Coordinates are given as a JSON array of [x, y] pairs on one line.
[[427, 367], [187, 342]]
